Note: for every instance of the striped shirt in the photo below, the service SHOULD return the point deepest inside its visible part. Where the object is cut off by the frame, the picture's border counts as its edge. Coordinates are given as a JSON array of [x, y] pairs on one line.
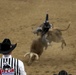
[[16, 64]]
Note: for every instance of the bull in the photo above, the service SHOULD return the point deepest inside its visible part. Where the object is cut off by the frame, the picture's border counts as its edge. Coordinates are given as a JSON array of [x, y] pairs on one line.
[[36, 50]]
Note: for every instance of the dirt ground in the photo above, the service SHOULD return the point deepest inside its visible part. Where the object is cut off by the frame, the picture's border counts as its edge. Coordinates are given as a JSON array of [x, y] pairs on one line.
[[18, 19]]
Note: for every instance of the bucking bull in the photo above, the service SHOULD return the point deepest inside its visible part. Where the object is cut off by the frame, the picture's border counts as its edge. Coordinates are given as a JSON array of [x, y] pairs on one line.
[[38, 45], [36, 50]]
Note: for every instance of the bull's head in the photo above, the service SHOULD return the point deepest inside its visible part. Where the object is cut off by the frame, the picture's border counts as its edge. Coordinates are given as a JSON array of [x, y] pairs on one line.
[[32, 57]]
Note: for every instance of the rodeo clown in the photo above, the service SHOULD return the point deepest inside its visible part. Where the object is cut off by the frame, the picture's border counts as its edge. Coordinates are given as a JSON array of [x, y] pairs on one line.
[[8, 64], [43, 29]]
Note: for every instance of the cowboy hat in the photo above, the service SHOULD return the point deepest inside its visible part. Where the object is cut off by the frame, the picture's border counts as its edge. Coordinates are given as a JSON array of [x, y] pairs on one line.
[[6, 46]]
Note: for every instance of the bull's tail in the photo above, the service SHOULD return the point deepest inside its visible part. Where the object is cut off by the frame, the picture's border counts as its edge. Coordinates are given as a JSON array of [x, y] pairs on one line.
[[65, 29]]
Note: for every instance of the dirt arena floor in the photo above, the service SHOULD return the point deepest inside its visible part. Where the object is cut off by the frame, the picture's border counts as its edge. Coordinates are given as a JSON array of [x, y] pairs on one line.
[[18, 20]]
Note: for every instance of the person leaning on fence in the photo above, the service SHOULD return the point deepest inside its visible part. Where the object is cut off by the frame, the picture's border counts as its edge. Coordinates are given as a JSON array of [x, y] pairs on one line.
[[8, 64]]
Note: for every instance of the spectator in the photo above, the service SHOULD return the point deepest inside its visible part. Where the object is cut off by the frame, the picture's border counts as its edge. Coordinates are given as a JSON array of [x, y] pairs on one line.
[[7, 61]]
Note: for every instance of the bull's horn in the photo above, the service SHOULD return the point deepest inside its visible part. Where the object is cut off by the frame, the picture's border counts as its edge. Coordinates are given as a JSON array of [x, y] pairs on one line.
[[31, 54], [37, 57], [26, 54]]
